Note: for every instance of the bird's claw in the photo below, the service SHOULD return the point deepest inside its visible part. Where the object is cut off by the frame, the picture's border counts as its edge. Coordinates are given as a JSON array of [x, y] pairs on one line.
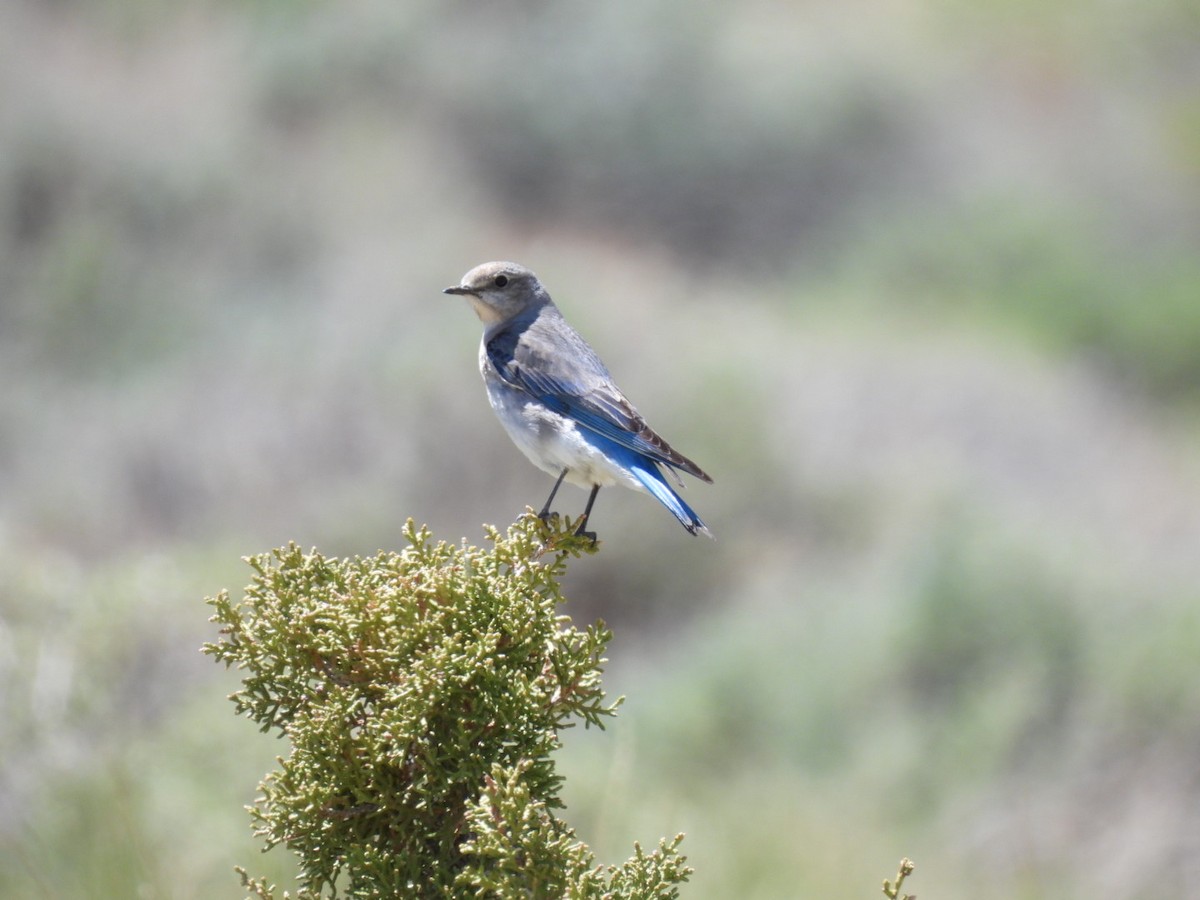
[[589, 535]]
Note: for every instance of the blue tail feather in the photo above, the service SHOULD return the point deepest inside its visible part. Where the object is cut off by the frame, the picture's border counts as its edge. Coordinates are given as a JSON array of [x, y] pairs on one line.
[[647, 472], [649, 475]]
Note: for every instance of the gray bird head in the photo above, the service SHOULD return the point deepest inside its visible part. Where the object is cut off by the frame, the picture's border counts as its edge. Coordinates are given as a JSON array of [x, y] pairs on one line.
[[500, 290]]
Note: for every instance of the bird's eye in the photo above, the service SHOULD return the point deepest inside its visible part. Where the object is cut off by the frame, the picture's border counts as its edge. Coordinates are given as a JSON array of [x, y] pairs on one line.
[[501, 280]]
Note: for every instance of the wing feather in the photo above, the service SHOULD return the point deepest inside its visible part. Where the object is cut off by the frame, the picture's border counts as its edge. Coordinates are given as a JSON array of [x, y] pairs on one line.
[[573, 382]]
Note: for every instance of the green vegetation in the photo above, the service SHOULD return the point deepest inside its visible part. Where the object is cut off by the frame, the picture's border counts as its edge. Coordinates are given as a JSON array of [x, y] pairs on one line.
[[893, 890], [422, 694]]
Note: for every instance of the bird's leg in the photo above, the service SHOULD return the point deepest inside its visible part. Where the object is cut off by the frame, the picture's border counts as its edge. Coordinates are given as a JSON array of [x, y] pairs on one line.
[[544, 515], [587, 511]]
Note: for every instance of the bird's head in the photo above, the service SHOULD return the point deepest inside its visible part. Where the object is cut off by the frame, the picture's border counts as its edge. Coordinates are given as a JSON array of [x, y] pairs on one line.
[[499, 290]]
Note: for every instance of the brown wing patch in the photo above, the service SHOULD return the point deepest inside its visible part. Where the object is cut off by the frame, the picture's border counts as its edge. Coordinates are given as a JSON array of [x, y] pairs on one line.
[[669, 453], [637, 425]]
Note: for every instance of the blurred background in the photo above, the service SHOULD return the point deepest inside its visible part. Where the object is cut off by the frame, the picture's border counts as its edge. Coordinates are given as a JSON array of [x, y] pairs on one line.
[[918, 283]]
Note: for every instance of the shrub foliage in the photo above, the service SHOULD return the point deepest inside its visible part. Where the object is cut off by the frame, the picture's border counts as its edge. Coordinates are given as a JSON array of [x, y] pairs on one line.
[[422, 694]]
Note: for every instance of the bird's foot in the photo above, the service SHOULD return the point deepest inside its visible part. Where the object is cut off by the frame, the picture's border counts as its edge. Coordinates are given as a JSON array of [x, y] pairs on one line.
[[580, 532]]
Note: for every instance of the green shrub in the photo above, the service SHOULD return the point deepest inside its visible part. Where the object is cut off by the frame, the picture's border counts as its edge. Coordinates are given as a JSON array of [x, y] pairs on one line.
[[422, 693]]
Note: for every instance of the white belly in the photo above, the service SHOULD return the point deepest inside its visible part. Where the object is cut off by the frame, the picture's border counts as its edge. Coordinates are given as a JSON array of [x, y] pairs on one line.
[[553, 442]]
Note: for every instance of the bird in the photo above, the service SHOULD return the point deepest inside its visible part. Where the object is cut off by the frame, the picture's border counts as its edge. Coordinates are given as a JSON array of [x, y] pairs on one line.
[[558, 402]]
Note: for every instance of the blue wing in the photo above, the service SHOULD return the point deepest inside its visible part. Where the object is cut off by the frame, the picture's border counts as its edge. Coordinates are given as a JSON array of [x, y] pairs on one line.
[[547, 359]]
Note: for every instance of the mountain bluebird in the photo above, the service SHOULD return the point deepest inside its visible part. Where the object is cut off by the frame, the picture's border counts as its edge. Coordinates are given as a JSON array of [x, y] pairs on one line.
[[557, 401]]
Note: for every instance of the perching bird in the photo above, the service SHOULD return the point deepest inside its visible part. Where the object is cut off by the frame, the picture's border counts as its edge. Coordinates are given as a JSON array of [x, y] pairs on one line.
[[557, 401]]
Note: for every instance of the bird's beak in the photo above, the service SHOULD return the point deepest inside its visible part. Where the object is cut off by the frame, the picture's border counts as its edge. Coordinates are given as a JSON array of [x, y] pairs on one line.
[[458, 289]]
